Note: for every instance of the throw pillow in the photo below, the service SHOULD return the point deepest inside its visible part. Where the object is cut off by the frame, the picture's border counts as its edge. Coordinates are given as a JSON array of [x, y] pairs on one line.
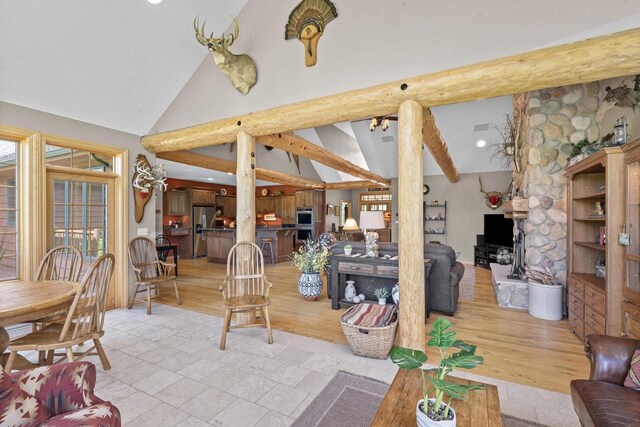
[[633, 377], [17, 408]]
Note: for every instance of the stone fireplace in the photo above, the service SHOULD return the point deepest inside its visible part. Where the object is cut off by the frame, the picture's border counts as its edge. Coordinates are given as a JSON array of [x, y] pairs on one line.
[[552, 121]]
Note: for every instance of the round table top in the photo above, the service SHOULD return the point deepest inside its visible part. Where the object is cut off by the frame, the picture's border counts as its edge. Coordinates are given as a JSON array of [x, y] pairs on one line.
[[22, 300]]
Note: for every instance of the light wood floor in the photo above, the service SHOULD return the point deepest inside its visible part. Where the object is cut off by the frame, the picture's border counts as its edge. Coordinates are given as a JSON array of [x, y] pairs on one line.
[[516, 346]]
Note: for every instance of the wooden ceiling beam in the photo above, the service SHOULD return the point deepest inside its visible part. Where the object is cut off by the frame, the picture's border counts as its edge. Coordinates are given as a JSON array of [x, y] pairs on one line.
[[437, 147], [222, 165], [590, 60], [348, 185], [297, 145]]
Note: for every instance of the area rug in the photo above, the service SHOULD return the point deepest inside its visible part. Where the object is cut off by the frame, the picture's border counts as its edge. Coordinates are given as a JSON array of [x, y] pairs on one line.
[[467, 285], [350, 400], [347, 401]]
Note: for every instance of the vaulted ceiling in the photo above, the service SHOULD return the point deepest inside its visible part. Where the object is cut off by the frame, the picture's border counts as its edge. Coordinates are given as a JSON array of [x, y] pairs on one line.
[[132, 66]]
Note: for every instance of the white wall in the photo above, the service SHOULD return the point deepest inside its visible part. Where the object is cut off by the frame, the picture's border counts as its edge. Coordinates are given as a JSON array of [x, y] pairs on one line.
[[466, 207], [333, 197], [26, 118], [376, 41]]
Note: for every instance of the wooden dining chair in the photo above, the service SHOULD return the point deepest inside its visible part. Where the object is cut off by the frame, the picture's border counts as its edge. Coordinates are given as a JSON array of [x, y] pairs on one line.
[[245, 289], [149, 270], [162, 240], [60, 263], [83, 323]]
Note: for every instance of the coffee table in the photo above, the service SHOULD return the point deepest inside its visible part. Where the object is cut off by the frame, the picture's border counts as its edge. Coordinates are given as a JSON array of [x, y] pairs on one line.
[[482, 408]]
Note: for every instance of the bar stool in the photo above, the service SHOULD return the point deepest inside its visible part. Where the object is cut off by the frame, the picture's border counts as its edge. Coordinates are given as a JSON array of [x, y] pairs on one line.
[[267, 244]]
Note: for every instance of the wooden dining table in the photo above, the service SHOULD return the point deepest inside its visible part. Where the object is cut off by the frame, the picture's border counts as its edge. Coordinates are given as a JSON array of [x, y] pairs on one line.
[[23, 300]]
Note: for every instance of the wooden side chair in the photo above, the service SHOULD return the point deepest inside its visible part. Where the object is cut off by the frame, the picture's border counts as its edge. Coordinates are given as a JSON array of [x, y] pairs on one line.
[[150, 271], [246, 288], [84, 322], [60, 263], [162, 240]]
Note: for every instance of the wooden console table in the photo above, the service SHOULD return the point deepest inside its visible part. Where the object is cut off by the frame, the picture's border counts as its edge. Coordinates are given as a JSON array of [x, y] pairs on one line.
[[481, 409], [369, 274]]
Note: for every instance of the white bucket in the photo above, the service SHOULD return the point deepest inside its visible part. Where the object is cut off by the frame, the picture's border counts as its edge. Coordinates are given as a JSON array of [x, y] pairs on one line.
[[545, 301]]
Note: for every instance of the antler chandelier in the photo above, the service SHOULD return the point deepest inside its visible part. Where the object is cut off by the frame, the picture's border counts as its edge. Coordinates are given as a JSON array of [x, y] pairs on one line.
[[382, 121]]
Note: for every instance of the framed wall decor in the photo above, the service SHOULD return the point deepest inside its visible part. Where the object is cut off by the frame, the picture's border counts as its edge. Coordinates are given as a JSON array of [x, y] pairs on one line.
[[331, 210]]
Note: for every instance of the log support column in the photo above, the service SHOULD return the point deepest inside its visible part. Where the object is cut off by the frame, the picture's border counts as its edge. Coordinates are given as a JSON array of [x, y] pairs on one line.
[[246, 202], [412, 328]]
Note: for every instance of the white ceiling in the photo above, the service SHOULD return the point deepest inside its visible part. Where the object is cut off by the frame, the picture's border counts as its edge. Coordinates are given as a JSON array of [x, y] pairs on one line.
[[132, 66], [117, 63]]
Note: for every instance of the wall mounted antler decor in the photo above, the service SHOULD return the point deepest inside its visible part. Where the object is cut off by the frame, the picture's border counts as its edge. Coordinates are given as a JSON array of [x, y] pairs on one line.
[[306, 23], [494, 198], [145, 179], [240, 69]]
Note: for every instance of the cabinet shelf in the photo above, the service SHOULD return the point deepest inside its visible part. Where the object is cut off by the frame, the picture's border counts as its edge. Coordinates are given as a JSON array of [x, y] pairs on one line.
[[600, 219], [596, 196], [591, 245]]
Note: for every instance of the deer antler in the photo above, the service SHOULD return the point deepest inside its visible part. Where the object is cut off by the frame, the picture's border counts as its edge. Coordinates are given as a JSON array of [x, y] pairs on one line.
[[480, 180], [147, 177], [236, 30], [204, 40]]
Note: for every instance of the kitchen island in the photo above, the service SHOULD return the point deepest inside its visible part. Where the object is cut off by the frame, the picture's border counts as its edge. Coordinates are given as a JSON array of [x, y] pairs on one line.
[[221, 239]]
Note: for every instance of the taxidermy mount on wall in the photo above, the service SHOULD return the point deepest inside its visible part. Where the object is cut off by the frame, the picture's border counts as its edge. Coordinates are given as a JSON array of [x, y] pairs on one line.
[[306, 23], [493, 198], [240, 69], [145, 179], [623, 96]]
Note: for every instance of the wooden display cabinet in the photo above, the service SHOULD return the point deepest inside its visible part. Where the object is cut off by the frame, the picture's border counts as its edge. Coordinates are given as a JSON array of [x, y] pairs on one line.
[[595, 303], [203, 197], [176, 202], [632, 226]]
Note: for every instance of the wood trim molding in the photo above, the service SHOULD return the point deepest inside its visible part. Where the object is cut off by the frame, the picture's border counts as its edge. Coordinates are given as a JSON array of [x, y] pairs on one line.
[[437, 147], [222, 165], [590, 60], [348, 185], [301, 147]]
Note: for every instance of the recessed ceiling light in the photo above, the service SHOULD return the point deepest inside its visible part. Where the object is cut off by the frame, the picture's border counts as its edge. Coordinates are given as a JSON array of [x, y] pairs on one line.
[[481, 143], [229, 173], [155, 1], [209, 179]]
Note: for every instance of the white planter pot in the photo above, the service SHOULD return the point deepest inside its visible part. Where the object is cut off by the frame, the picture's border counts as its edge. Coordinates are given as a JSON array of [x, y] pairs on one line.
[[347, 251], [382, 301], [424, 421], [545, 301]]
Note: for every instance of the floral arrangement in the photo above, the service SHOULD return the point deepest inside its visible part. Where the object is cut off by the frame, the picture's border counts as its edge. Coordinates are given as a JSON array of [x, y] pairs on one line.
[[311, 257]]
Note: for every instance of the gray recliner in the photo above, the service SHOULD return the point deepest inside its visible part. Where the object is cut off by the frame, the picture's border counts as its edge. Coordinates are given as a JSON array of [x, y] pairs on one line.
[[444, 278]]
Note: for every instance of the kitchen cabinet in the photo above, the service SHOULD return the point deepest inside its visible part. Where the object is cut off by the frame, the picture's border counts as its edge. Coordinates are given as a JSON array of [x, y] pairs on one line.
[[203, 197], [176, 202], [304, 198], [228, 205], [288, 209], [266, 204]]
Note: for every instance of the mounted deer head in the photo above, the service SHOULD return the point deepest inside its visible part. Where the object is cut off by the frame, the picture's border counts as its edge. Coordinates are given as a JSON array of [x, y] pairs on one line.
[[493, 198], [145, 179], [240, 69]]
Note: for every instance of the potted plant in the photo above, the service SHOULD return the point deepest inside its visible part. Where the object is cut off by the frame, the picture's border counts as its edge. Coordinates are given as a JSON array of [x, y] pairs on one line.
[[382, 294], [347, 249], [437, 410], [310, 259]]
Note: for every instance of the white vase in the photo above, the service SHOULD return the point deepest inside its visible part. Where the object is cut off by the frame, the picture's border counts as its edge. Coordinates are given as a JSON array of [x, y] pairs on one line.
[[350, 291], [382, 301], [395, 293], [347, 251], [424, 421], [310, 286]]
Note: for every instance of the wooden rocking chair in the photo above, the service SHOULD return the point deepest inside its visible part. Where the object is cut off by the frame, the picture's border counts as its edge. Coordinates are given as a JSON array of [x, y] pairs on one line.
[[245, 289], [150, 271], [84, 322]]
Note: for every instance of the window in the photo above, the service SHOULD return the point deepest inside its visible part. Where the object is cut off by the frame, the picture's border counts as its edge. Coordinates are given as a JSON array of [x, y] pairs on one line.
[[77, 159], [375, 202], [8, 210]]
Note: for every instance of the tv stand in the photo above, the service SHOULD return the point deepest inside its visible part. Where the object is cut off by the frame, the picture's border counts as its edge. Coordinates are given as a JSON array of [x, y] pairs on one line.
[[485, 254]]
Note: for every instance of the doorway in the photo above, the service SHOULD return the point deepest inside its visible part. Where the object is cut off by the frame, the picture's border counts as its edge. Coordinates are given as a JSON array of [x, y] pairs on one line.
[[80, 213]]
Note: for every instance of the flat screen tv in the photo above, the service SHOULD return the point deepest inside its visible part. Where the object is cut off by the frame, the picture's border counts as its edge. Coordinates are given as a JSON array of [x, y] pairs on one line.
[[498, 230]]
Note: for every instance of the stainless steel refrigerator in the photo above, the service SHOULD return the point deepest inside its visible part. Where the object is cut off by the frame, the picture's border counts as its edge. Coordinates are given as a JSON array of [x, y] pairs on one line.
[[201, 217]]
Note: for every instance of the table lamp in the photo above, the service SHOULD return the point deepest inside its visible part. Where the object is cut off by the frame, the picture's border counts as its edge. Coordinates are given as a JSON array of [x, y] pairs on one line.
[[350, 225], [371, 220]]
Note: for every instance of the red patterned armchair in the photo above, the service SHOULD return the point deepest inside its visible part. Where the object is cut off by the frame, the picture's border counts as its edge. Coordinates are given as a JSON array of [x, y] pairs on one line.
[[57, 395]]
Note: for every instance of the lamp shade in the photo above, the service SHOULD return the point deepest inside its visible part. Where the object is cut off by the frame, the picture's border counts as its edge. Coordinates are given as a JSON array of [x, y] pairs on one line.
[[372, 220], [350, 225]]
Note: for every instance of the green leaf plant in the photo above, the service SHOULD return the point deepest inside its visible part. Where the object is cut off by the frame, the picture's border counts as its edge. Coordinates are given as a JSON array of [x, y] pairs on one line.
[[442, 338]]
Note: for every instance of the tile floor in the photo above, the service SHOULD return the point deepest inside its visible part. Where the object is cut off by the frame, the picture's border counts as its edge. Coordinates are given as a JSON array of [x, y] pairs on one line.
[[167, 370]]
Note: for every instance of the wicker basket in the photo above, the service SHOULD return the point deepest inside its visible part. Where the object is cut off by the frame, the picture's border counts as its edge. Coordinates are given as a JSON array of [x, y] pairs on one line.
[[375, 342]]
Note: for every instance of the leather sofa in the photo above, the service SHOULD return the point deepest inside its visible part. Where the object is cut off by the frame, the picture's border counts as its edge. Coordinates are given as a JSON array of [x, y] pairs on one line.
[[56, 395], [602, 400], [444, 277]]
